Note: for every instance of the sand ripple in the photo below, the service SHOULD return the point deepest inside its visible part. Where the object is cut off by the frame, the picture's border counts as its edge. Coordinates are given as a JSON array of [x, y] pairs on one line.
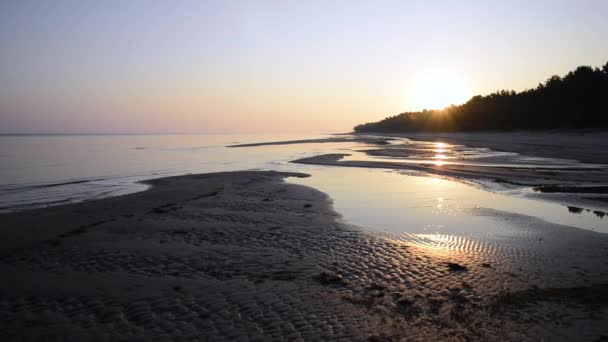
[[246, 256]]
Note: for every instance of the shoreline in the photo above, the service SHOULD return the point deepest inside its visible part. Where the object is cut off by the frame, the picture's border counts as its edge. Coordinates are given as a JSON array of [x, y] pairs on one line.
[[374, 141], [246, 254], [492, 179], [587, 147], [580, 186]]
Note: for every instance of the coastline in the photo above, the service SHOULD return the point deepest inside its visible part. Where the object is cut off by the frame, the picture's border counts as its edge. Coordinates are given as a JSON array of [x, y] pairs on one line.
[[334, 139], [245, 254], [587, 147], [555, 179], [544, 184]]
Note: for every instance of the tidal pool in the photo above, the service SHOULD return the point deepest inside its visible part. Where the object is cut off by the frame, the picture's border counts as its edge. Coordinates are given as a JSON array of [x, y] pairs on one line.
[[391, 201]]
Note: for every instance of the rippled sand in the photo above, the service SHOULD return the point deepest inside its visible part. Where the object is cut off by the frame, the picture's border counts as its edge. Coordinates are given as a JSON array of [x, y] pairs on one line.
[[246, 256]]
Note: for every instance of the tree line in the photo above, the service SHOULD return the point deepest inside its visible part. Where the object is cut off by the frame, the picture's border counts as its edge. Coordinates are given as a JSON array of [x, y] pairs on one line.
[[577, 100]]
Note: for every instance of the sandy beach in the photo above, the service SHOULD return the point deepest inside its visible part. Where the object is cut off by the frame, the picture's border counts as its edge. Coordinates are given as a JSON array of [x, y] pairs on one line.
[[585, 146], [568, 170], [303, 171], [245, 255]]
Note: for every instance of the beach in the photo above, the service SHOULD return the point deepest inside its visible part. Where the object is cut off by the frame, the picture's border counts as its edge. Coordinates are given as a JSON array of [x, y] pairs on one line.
[[583, 145], [303, 171], [245, 255]]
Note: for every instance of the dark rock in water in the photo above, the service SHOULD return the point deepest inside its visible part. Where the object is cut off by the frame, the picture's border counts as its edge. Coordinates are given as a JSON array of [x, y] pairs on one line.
[[575, 210], [307, 205], [456, 267]]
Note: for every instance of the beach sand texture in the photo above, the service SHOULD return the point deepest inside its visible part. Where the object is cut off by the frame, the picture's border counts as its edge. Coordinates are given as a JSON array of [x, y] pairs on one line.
[[244, 255]]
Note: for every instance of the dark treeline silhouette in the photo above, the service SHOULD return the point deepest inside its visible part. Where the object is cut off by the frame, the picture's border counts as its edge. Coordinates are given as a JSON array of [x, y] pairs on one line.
[[577, 100]]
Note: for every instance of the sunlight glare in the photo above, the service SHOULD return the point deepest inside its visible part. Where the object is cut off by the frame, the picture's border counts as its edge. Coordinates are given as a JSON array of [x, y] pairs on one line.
[[439, 91]]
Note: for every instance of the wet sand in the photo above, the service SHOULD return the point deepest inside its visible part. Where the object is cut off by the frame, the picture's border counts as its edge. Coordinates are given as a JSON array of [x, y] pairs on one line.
[[362, 139], [584, 146], [574, 186], [537, 176], [244, 255]]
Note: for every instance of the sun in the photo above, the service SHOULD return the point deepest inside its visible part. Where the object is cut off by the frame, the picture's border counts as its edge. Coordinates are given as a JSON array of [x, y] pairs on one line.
[[439, 91]]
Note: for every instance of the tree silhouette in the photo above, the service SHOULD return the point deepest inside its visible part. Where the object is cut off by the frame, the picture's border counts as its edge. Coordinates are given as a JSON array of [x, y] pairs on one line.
[[577, 100]]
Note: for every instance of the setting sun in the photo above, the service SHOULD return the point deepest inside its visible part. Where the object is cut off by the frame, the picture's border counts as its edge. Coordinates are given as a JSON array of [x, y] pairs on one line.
[[438, 92], [314, 170]]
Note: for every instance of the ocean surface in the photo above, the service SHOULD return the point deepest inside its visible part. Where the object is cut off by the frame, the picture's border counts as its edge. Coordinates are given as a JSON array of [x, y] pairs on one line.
[[44, 170]]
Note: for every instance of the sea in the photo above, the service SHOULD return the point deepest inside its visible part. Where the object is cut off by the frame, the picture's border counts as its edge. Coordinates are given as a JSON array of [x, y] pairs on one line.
[[39, 171]]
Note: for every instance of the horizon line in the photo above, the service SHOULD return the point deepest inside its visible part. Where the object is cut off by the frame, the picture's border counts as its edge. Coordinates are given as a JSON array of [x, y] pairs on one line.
[[149, 133]]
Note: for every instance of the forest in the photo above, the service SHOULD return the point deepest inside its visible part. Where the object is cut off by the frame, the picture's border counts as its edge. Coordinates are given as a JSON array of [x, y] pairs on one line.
[[577, 100]]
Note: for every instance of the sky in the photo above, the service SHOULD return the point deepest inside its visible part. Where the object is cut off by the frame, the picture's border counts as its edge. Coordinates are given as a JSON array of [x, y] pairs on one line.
[[130, 66]]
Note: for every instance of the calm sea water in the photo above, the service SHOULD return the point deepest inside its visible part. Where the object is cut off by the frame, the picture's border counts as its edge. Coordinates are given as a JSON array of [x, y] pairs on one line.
[[43, 170]]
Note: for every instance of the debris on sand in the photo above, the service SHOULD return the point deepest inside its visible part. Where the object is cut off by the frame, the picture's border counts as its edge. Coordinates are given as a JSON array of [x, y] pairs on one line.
[[454, 267]]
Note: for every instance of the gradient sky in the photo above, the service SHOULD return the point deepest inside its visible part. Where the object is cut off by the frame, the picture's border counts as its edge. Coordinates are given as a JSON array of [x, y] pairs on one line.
[[272, 66]]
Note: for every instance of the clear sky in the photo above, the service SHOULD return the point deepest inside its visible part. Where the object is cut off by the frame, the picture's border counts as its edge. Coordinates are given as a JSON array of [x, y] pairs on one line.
[[274, 66]]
